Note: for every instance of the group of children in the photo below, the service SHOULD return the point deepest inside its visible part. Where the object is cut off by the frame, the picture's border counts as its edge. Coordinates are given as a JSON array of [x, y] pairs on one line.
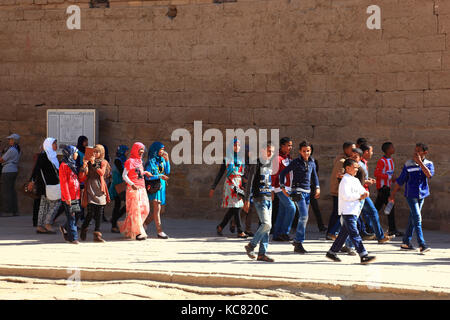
[[354, 217], [83, 184]]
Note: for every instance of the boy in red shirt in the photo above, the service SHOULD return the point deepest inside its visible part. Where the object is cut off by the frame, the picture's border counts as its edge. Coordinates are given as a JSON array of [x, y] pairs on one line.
[[384, 173]]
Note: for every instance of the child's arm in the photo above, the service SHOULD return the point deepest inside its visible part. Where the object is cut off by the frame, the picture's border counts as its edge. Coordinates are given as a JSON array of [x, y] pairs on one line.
[[283, 174], [424, 168], [399, 182]]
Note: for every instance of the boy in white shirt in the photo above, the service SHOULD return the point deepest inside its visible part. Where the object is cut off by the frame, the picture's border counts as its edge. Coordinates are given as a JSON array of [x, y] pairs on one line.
[[350, 203]]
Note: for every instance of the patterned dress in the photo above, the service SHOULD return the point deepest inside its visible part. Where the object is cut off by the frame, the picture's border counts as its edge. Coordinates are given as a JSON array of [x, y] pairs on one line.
[[234, 173]]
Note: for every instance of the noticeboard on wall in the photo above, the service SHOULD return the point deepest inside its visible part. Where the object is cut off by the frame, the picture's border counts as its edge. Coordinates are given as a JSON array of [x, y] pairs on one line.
[[66, 125]]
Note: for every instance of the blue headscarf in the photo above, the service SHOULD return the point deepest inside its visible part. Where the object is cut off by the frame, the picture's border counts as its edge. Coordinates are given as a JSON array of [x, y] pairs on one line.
[[233, 159], [68, 153], [120, 153], [154, 160], [154, 150]]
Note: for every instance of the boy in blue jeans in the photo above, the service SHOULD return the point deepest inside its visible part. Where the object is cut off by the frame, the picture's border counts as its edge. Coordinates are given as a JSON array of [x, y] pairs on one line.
[[414, 176], [260, 188], [304, 170]]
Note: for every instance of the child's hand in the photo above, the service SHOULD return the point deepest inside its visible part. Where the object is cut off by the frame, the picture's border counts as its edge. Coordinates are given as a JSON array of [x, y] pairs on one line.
[[317, 195]]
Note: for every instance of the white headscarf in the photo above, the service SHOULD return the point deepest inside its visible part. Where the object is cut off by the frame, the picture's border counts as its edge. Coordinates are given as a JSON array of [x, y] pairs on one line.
[[51, 154]]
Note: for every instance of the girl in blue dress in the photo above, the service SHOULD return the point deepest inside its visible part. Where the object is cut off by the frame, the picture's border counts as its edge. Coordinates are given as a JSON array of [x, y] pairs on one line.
[[159, 166]]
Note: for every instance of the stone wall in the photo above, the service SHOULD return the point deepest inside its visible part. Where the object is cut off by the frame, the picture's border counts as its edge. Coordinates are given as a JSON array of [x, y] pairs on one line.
[[308, 67]]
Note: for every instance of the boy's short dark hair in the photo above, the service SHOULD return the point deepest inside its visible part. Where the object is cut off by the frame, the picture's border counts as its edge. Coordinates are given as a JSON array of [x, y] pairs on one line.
[[422, 146], [348, 162], [361, 141], [304, 144], [385, 146], [358, 151], [284, 140], [364, 147], [347, 144]]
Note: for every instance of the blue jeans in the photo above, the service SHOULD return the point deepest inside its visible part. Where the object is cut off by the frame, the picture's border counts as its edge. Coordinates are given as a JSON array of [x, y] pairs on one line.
[[264, 211], [286, 214], [349, 229], [71, 223], [371, 215], [415, 222], [303, 206]]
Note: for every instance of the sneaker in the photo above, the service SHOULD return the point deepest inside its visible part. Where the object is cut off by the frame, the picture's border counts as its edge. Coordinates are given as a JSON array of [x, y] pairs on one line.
[[396, 233], [407, 247], [348, 251], [285, 237], [162, 235], [249, 249], [333, 256], [299, 248], [424, 249], [265, 258], [385, 239], [369, 236], [74, 242], [331, 237], [367, 259], [386, 234], [249, 233]]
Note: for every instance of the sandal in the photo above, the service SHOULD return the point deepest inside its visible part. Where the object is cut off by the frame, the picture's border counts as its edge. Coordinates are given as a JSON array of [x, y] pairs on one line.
[[115, 230], [242, 235]]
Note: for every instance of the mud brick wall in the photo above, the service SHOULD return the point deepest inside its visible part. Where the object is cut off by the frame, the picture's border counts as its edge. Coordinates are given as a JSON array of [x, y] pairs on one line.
[[308, 67]]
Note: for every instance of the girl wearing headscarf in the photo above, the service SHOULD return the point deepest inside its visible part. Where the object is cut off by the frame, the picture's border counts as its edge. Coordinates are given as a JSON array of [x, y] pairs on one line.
[[233, 168], [136, 197], [96, 191], [70, 192], [159, 166], [46, 172], [81, 146], [117, 172], [9, 161]]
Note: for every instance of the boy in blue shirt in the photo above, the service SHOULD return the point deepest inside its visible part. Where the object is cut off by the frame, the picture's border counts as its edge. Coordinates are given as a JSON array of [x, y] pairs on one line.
[[304, 170], [414, 176]]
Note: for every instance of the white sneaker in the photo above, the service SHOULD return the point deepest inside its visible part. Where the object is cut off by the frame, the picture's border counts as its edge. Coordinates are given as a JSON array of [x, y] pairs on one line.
[[162, 235]]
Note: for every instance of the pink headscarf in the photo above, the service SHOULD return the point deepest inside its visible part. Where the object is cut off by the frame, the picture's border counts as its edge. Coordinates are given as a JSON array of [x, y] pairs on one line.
[[135, 159]]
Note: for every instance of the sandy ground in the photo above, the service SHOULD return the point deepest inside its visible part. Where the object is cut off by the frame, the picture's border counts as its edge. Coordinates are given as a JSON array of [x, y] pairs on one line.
[[21, 288]]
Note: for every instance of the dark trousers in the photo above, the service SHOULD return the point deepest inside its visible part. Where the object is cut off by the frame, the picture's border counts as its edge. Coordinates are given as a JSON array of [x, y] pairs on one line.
[[118, 211], [275, 205], [315, 208], [333, 223], [232, 213], [36, 205], [93, 211], [349, 229], [71, 223], [382, 199], [9, 200], [61, 210]]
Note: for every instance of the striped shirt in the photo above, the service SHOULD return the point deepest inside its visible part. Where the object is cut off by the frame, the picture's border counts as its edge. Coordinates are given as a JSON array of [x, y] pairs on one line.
[[384, 172]]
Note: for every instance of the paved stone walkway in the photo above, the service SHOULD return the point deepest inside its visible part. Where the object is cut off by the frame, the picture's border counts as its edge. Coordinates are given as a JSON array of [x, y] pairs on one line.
[[195, 255]]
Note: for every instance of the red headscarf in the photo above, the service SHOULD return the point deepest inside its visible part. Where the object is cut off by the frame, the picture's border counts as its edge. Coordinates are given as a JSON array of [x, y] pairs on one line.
[[134, 164]]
